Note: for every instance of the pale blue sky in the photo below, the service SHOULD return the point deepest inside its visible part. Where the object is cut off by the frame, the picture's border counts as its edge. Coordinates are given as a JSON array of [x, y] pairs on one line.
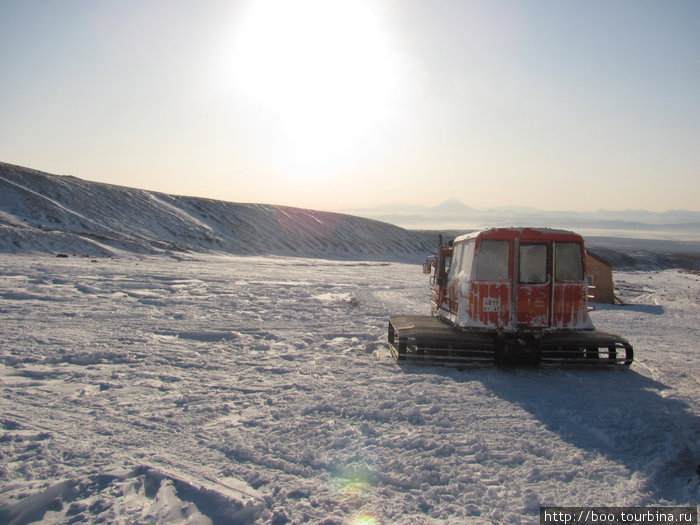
[[347, 104]]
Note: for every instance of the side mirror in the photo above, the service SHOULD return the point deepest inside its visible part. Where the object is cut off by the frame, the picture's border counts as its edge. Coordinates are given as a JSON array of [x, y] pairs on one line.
[[426, 268]]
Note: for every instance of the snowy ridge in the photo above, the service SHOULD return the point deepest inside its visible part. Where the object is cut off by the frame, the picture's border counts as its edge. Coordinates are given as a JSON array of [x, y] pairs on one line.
[[43, 213], [40, 212]]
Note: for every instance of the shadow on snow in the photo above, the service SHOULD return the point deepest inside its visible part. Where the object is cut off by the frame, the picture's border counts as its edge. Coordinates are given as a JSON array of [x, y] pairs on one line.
[[653, 309], [619, 414]]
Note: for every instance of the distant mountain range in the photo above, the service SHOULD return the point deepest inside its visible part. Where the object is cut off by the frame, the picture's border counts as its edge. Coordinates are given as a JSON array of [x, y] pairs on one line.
[[45, 213], [454, 214]]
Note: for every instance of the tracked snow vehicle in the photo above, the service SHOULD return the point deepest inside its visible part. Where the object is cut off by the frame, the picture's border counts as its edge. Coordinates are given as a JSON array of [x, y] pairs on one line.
[[508, 296]]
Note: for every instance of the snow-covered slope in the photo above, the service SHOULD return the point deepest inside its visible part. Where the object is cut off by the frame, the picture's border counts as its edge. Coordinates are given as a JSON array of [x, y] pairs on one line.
[[47, 213], [260, 390], [40, 212]]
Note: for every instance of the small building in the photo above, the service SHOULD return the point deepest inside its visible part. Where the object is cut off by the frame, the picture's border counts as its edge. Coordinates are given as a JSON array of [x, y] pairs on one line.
[[601, 288]]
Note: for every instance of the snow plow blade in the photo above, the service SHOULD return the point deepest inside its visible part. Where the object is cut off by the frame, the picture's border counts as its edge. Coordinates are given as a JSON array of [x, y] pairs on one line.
[[428, 340]]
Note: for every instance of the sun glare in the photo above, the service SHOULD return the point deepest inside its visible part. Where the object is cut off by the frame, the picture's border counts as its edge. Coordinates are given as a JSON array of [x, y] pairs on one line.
[[321, 72]]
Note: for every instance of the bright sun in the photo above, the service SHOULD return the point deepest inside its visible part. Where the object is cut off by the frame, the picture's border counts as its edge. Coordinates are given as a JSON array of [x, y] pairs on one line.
[[323, 74]]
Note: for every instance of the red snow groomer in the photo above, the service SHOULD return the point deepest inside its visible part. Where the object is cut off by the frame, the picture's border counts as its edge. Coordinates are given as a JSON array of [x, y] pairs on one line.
[[508, 295]]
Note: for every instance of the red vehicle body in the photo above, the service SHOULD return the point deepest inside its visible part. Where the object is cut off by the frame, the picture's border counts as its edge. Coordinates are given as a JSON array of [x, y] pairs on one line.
[[508, 294]]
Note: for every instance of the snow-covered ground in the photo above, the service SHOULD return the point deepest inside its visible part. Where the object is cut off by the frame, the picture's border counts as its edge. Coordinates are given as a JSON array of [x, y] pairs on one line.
[[260, 390]]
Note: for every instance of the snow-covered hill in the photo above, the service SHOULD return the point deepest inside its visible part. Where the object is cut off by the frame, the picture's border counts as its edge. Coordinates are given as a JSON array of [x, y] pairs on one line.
[[44, 213], [40, 212]]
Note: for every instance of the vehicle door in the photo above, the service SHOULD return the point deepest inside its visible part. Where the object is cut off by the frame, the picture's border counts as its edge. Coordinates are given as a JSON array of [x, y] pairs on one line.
[[569, 298], [489, 296], [534, 285], [455, 274]]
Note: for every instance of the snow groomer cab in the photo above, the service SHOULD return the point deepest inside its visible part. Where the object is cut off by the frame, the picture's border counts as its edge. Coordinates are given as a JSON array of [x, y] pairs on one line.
[[510, 295]]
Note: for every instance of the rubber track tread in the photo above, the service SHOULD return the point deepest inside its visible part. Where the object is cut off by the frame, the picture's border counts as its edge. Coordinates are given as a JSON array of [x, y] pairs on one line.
[[428, 340]]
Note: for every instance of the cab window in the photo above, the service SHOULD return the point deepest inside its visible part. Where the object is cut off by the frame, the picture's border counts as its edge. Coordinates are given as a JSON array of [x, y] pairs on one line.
[[532, 268], [568, 261], [461, 261], [454, 262], [492, 261]]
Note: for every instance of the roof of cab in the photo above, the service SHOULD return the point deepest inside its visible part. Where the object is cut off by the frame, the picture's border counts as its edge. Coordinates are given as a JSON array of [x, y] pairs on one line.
[[523, 233]]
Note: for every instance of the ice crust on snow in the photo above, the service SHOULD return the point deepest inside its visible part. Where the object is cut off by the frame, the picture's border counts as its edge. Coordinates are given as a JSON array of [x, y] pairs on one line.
[[211, 389]]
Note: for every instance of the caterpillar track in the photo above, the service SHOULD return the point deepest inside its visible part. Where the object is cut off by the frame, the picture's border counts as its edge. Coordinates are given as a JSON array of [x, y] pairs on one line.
[[428, 340]]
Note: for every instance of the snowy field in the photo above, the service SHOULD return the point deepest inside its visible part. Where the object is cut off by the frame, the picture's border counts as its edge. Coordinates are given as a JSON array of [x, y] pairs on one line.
[[260, 390]]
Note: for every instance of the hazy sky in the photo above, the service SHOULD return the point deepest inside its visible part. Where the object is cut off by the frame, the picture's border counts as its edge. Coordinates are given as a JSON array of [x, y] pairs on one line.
[[345, 104]]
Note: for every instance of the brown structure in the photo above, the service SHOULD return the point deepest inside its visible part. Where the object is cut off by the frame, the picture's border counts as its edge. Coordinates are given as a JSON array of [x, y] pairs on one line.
[[601, 288]]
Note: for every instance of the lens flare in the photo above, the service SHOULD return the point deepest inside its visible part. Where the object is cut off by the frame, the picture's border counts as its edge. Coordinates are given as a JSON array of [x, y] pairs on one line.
[[364, 518], [355, 484], [353, 488]]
